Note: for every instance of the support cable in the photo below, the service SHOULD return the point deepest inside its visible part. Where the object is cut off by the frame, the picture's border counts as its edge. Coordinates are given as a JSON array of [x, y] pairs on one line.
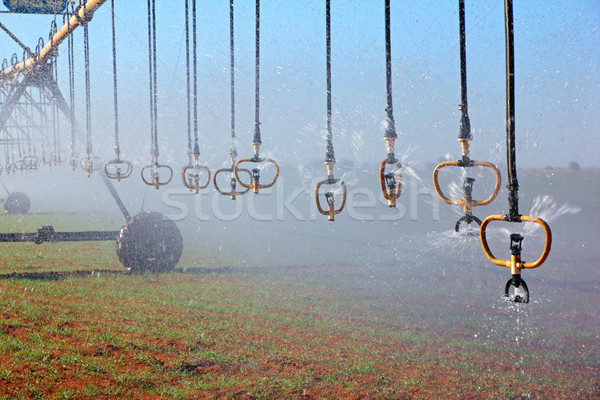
[[465, 123], [329, 153], [464, 137], [520, 292], [16, 39], [151, 80], [55, 157], [233, 147], [511, 158], [88, 104], [116, 169], [331, 211], [90, 163], [187, 82], [196, 151], [390, 181], [154, 83], [151, 173], [117, 147], [192, 173], [256, 141], [73, 159], [233, 192]]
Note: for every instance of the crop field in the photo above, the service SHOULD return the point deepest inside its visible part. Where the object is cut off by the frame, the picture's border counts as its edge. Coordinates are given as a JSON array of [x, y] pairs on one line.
[[75, 325]]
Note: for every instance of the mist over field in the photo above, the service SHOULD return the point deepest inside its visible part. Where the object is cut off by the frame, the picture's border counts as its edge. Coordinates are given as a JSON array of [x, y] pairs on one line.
[[269, 299]]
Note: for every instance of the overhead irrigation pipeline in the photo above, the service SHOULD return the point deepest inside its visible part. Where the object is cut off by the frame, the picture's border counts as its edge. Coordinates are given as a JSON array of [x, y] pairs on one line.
[[82, 15]]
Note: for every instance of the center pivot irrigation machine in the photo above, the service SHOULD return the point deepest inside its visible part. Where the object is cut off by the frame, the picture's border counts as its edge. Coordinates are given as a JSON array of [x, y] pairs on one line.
[[31, 103]]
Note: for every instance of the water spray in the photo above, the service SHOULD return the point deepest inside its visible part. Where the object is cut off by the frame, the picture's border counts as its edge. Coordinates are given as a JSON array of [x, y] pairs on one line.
[[515, 263], [464, 138]]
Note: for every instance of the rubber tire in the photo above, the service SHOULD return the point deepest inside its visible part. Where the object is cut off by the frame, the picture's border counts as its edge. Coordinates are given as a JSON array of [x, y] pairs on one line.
[[17, 203], [149, 243]]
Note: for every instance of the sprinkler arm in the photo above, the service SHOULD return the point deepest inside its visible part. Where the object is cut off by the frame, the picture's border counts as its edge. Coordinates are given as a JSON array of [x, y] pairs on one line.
[[467, 204], [233, 192], [391, 187], [515, 263], [331, 211], [118, 169], [90, 164], [255, 183], [154, 168], [190, 176]]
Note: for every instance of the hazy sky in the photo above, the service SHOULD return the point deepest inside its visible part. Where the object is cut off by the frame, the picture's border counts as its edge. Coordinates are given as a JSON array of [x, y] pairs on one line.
[[557, 78]]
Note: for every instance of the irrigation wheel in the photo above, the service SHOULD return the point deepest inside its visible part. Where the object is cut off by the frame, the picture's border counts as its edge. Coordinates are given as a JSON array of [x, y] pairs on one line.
[[148, 242], [17, 203]]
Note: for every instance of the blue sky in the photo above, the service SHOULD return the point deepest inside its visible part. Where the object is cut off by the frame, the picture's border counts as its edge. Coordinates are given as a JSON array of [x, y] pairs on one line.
[[557, 78]]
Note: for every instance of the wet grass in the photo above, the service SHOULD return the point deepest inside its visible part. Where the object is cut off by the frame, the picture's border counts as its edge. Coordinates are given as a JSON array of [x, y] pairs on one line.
[[93, 331], [261, 335]]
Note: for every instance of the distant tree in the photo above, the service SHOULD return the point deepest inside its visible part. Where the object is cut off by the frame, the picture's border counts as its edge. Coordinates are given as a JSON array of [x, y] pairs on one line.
[[574, 166], [548, 167]]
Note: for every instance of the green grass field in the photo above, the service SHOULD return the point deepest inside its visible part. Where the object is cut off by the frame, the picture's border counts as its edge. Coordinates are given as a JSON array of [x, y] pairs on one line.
[[75, 325]]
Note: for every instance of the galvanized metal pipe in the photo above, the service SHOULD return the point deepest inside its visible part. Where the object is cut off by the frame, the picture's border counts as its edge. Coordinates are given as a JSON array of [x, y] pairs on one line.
[[78, 19]]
